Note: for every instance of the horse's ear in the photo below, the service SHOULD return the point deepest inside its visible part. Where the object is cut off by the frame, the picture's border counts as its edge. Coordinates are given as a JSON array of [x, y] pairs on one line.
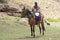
[[23, 8]]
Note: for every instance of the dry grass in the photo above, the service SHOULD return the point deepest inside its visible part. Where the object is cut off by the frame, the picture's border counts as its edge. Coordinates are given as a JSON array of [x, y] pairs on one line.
[[12, 30], [49, 8]]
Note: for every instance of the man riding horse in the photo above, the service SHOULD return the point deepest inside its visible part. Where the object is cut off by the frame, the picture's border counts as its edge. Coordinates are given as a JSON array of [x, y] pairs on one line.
[[35, 8], [36, 12], [34, 18]]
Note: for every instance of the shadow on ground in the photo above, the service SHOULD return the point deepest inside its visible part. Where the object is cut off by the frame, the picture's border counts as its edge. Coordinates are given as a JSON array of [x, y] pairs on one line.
[[28, 37]]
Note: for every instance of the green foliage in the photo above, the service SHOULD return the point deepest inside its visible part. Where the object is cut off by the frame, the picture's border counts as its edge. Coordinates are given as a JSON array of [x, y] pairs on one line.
[[58, 19], [53, 19]]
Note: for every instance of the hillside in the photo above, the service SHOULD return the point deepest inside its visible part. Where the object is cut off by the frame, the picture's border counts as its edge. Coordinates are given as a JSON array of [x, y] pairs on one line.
[[49, 8]]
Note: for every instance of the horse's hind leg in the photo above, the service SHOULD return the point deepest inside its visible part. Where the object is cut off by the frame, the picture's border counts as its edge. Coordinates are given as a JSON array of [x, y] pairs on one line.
[[43, 28], [42, 24]]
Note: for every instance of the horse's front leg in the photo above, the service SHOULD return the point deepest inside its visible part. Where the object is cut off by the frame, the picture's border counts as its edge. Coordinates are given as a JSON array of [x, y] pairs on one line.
[[39, 28], [31, 30]]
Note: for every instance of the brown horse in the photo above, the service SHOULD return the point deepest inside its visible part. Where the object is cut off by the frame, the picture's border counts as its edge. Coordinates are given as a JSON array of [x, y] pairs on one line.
[[32, 21]]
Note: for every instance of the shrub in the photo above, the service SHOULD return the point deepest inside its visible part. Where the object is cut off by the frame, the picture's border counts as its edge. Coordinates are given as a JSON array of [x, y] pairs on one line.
[[53, 19]]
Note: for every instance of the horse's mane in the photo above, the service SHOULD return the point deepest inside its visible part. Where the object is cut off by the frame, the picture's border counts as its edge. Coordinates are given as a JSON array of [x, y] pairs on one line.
[[28, 11]]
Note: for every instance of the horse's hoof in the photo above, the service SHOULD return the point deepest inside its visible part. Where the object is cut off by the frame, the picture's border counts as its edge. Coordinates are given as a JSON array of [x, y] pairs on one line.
[[43, 34], [33, 36], [40, 32]]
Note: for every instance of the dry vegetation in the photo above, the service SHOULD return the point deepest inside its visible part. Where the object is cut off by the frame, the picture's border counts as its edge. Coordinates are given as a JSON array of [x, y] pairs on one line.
[[49, 8]]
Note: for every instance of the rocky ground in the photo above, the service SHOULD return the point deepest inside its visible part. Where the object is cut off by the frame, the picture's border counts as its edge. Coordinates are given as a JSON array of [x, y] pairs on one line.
[[49, 8]]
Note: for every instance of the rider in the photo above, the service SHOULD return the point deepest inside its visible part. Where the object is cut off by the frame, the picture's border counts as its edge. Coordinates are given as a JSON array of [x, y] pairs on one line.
[[35, 8], [36, 11]]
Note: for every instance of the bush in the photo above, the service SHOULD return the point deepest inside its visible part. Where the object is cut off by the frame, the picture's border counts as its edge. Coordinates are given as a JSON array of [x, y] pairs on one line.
[[53, 19]]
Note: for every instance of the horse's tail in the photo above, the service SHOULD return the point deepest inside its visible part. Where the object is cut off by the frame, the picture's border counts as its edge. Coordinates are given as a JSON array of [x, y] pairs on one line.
[[47, 22]]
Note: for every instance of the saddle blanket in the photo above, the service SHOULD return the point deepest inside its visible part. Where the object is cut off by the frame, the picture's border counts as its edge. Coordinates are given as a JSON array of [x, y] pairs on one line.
[[36, 14], [38, 17]]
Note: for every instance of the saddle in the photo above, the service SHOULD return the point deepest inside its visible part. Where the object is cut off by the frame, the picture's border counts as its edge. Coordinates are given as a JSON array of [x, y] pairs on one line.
[[37, 17]]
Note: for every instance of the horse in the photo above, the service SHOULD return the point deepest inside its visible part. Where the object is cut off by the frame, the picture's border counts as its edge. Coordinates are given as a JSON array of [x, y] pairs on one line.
[[32, 21]]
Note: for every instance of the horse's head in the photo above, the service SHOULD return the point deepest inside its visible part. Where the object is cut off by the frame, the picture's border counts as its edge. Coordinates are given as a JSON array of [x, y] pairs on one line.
[[25, 12]]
